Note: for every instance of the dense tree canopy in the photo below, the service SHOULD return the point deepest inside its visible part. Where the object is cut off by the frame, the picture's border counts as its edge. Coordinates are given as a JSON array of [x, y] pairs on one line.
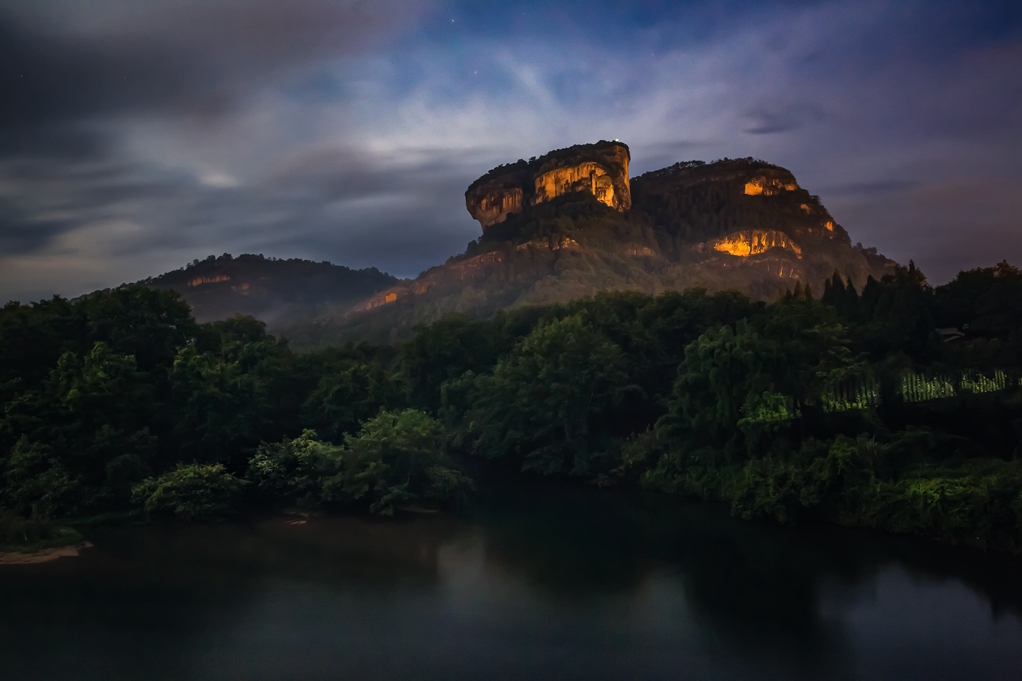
[[895, 407]]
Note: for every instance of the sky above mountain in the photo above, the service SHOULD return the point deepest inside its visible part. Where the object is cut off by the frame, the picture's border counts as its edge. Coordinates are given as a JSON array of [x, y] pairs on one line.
[[137, 136]]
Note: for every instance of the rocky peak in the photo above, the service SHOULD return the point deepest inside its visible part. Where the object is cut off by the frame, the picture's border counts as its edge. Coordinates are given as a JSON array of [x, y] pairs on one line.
[[600, 169]]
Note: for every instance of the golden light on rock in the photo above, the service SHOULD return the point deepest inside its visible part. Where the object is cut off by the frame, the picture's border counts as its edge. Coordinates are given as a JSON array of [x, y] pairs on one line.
[[199, 281], [599, 169], [755, 241], [497, 205], [764, 186], [590, 177]]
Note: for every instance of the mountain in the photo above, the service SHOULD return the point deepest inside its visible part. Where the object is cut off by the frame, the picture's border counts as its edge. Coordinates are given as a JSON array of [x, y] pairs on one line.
[[286, 294], [571, 223]]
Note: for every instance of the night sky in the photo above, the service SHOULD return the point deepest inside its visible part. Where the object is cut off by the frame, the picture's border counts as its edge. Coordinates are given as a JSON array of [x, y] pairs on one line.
[[138, 135]]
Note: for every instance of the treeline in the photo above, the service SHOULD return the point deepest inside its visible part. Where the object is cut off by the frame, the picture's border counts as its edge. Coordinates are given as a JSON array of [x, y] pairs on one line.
[[121, 403]]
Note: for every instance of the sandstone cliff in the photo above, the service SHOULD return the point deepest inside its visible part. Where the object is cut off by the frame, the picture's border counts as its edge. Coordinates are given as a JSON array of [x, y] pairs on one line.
[[600, 169]]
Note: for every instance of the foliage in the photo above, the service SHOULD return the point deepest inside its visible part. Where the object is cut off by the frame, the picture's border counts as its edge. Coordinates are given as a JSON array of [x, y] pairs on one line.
[[543, 403], [26, 534], [395, 460], [292, 471], [190, 492], [849, 409]]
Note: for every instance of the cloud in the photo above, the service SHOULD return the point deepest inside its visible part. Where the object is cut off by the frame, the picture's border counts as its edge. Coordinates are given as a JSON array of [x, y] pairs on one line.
[[172, 57], [785, 118], [872, 188]]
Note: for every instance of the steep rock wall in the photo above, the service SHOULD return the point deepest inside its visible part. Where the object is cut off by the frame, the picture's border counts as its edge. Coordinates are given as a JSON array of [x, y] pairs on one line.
[[762, 185], [590, 177], [496, 204], [600, 169], [755, 241]]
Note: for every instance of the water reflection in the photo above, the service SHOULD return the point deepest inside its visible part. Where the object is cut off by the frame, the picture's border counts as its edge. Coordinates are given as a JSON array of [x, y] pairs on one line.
[[533, 580]]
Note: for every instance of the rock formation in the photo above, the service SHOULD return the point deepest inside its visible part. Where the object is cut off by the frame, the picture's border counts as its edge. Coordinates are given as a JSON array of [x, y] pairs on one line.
[[755, 241], [761, 185], [599, 169]]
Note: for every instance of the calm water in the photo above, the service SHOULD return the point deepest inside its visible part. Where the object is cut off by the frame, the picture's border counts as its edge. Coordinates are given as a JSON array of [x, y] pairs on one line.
[[533, 582]]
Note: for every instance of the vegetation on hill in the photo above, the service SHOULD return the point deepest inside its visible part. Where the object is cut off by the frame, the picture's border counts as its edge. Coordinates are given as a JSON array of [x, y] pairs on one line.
[[282, 293], [849, 408]]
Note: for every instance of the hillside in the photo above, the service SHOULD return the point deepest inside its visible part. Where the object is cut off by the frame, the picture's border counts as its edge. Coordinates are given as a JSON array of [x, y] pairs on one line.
[[740, 224], [283, 293]]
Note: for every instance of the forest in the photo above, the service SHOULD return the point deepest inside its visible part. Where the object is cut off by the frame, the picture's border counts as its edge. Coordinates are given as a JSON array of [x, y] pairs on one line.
[[896, 407]]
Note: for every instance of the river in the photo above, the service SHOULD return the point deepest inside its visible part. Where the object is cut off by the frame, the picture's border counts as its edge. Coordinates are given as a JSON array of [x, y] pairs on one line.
[[531, 581]]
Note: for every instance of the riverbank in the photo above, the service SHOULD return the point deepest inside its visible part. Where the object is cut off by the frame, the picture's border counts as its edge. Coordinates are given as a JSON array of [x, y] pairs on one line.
[[25, 540], [44, 555]]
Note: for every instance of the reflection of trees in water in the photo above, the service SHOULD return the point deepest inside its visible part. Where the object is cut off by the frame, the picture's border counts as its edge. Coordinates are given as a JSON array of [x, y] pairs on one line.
[[753, 587], [742, 585], [153, 594], [755, 590], [562, 543], [369, 551]]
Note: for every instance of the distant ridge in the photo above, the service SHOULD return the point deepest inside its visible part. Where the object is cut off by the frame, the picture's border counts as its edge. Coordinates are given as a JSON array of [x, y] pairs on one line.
[[279, 292]]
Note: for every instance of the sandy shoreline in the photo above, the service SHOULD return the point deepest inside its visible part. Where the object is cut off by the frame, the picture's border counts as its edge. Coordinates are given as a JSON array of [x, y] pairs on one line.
[[42, 555]]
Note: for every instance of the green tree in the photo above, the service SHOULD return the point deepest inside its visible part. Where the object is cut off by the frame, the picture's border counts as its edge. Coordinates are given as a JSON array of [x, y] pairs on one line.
[[395, 459], [349, 392], [544, 402], [191, 492], [227, 397], [292, 471], [82, 438], [738, 390]]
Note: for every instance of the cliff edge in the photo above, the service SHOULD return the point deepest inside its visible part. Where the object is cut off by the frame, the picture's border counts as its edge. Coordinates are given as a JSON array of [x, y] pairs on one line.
[[600, 169]]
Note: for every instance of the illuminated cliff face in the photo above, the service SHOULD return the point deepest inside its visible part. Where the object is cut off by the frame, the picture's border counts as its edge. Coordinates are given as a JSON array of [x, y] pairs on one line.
[[495, 206], [764, 186], [754, 241], [587, 177], [199, 281], [599, 169]]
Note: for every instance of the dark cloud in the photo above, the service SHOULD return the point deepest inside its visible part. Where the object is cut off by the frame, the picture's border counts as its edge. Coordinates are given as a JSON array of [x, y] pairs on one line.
[[361, 210], [174, 58], [782, 118], [69, 142], [648, 157]]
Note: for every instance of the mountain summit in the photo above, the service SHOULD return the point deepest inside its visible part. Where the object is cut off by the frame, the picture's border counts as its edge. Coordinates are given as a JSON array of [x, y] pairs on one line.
[[600, 169]]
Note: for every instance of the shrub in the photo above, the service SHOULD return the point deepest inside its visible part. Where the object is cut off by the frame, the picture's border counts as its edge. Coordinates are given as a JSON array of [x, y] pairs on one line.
[[292, 471], [17, 532], [190, 492], [396, 459]]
